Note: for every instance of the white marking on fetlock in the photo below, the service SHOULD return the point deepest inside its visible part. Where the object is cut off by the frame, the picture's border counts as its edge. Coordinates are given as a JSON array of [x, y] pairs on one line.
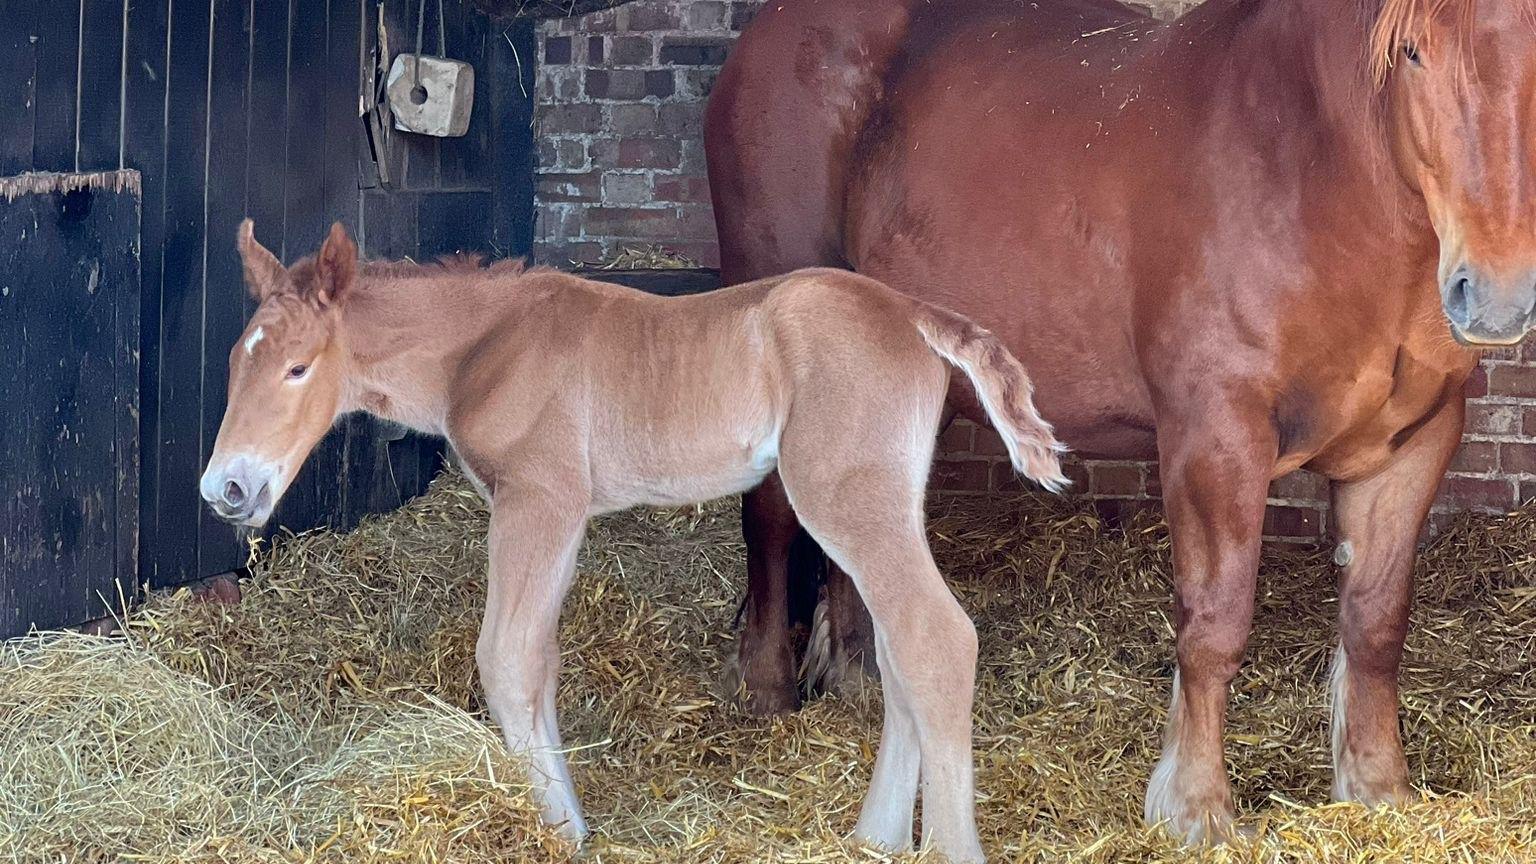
[[1160, 803], [1166, 804], [1338, 701]]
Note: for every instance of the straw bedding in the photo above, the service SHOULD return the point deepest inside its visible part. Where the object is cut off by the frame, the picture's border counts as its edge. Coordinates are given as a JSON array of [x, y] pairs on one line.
[[334, 715]]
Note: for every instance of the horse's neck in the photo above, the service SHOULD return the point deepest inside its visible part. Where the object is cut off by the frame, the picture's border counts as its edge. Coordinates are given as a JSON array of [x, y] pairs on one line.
[[1305, 64], [405, 338]]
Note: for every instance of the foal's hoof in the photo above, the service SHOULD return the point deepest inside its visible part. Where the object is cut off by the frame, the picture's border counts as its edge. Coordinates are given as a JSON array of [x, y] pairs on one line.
[[760, 698]]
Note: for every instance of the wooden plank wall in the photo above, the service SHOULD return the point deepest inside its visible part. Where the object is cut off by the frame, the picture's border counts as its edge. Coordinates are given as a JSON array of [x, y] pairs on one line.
[[69, 295], [250, 107]]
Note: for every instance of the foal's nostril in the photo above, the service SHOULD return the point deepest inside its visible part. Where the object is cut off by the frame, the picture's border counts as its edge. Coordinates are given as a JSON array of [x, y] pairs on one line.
[[1458, 302], [234, 493]]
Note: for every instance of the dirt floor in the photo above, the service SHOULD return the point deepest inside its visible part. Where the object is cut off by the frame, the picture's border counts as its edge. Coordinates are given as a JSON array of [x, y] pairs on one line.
[[334, 714]]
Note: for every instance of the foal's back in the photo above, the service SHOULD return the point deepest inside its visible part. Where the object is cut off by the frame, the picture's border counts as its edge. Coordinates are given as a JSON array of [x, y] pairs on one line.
[[674, 400]]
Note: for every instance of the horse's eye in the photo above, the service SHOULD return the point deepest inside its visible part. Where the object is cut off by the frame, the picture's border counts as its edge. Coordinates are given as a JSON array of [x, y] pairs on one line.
[[1411, 51], [297, 372]]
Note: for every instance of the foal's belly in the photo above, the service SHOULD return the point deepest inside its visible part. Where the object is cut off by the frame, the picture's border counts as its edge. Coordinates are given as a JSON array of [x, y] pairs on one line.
[[678, 472]]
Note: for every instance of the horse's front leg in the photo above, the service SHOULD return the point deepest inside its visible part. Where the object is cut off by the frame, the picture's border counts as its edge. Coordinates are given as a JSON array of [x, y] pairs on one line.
[[1215, 474], [533, 543], [1378, 524]]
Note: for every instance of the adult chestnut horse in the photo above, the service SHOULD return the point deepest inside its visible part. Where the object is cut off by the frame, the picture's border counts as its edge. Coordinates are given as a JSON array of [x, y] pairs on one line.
[[1241, 242]]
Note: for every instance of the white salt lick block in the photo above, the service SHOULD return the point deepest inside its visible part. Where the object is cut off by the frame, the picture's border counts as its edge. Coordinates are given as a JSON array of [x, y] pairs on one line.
[[443, 104]]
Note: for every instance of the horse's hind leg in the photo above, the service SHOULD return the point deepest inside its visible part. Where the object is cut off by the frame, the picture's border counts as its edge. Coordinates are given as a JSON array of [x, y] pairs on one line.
[[764, 668], [1378, 522], [868, 516]]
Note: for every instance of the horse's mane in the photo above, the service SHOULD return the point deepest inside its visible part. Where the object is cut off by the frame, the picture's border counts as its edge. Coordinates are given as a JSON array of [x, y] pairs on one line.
[[1408, 21]]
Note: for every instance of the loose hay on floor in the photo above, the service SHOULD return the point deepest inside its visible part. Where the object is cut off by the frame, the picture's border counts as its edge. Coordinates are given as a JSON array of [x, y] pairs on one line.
[[334, 715]]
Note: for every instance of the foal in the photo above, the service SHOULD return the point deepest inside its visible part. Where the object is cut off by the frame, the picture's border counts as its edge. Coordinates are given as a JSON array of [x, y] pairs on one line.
[[567, 398]]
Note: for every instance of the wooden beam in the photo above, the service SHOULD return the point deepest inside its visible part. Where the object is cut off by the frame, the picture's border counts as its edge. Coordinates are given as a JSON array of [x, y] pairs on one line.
[[543, 8]]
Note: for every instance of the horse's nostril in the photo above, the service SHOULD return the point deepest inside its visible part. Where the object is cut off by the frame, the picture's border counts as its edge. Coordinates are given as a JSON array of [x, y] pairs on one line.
[[1458, 303], [234, 493]]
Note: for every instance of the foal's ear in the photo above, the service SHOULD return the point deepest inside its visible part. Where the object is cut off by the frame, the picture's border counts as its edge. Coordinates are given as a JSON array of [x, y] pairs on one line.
[[335, 267], [264, 274]]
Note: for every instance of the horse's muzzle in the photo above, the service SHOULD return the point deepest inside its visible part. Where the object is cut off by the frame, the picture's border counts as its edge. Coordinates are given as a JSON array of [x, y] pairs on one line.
[[1485, 313], [239, 490]]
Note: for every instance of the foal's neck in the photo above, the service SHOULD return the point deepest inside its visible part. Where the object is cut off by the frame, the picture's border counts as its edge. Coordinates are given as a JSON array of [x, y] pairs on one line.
[[406, 331]]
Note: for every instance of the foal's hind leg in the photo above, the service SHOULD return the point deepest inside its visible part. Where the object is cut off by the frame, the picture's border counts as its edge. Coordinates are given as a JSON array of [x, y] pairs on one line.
[[869, 520], [533, 543], [1379, 520]]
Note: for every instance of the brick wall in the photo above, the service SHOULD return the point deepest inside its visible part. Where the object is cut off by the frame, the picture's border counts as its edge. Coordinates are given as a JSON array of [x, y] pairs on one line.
[[619, 111]]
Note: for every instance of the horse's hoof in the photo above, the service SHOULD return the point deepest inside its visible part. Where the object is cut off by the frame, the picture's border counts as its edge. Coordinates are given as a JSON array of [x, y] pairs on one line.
[[1196, 817], [850, 678], [758, 698]]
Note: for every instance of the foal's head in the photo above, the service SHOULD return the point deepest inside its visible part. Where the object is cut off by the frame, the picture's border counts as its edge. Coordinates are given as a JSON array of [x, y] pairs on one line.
[[286, 375], [1460, 79]]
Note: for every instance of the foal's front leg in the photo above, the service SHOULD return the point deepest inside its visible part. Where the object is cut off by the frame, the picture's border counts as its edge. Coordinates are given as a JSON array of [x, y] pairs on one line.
[[1215, 480], [533, 543]]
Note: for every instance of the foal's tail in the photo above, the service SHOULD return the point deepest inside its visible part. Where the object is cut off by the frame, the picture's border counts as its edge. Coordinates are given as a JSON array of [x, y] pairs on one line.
[[1004, 389]]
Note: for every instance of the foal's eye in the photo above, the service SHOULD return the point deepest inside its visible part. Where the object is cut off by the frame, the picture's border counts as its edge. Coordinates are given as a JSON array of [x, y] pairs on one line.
[[1411, 51], [297, 372]]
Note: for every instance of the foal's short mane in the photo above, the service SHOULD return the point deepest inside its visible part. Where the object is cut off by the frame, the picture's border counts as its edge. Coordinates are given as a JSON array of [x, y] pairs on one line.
[[463, 262], [1403, 22]]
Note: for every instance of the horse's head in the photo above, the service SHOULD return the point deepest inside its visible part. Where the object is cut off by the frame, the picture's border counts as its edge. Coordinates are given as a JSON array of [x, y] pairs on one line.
[[286, 374], [1460, 78]]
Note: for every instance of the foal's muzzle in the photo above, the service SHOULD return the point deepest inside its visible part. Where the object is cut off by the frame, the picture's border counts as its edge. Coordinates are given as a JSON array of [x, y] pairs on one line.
[[239, 490], [1487, 313]]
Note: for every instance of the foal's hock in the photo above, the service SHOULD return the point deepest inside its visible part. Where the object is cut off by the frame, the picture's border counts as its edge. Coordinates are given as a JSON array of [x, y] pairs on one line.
[[567, 398]]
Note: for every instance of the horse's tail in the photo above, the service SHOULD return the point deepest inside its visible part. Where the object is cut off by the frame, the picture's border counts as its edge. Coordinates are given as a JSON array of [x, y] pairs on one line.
[[1004, 389]]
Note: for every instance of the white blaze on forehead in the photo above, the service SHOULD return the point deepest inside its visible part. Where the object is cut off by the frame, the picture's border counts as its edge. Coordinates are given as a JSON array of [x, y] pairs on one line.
[[256, 336]]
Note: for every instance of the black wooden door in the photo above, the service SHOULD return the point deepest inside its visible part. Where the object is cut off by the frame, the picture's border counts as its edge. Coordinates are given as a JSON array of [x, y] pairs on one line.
[[69, 318]]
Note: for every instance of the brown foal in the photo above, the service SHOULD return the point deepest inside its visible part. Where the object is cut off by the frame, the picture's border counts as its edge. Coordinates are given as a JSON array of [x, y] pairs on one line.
[[567, 398]]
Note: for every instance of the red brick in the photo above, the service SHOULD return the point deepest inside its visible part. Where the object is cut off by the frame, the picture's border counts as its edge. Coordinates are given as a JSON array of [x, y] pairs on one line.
[[556, 119], [971, 475], [1529, 423], [639, 16], [682, 119], [1462, 493], [557, 49], [707, 16], [1476, 457], [622, 84], [648, 153], [642, 222], [594, 50], [1528, 492], [660, 83], [1154, 481], [632, 51], [1512, 381], [1300, 523], [1485, 419], [989, 443], [1114, 480], [555, 187], [957, 438], [742, 14], [628, 121], [1477, 383], [1300, 486], [683, 190], [1517, 458]]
